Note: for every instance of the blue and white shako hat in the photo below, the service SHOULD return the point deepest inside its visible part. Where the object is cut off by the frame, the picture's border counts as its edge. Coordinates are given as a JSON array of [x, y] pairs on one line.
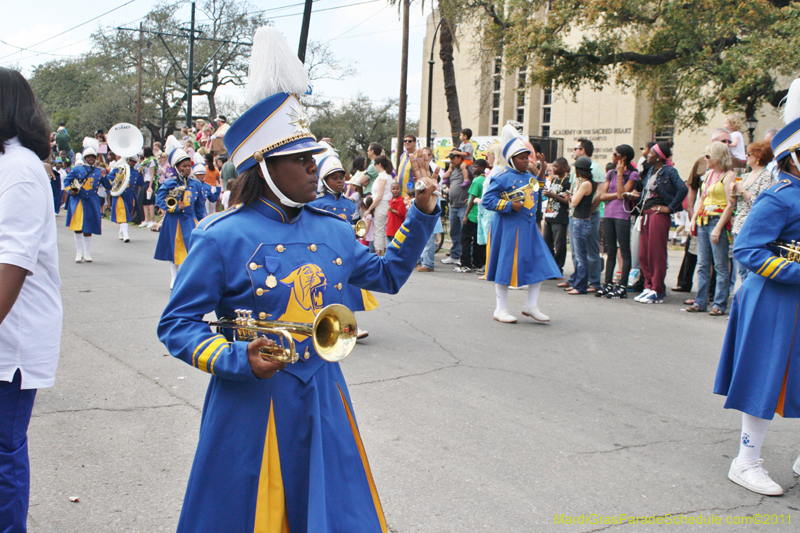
[[328, 162], [176, 156], [787, 141], [197, 168], [89, 151], [276, 124], [512, 142]]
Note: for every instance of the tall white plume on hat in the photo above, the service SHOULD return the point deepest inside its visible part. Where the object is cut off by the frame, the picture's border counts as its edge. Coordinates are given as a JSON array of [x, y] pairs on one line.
[[512, 142], [791, 110], [274, 67]]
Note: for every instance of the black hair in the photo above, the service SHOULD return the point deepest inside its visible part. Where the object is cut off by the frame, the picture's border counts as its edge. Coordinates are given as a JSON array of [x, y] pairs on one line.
[[376, 148], [666, 148], [21, 116], [359, 164], [651, 144], [248, 187], [467, 132], [481, 163], [626, 151], [209, 157], [410, 135], [587, 145], [610, 166], [585, 174], [367, 201], [537, 147], [148, 152], [783, 164], [383, 161], [223, 158]]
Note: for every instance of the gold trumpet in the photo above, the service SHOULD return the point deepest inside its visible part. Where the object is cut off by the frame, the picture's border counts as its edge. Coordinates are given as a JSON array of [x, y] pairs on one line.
[[361, 229], [174, 196], [74, 187], [518, 194], [333, 332], [788, 250]]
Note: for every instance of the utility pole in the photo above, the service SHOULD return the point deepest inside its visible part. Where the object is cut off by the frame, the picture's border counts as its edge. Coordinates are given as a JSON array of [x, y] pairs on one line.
[[191, 74], [401, 112], [301, 50], [139, 90]]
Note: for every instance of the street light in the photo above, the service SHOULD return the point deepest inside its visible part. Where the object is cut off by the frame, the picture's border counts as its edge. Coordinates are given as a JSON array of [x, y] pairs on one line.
[[751, 122], [430, 81], [431, 137]]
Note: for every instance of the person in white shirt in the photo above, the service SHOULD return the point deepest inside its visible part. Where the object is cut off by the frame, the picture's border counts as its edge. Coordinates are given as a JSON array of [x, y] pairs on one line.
[[30, 301]]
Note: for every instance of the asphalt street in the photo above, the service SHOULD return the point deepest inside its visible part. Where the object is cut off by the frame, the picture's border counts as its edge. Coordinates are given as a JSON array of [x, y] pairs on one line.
[[470, 425]]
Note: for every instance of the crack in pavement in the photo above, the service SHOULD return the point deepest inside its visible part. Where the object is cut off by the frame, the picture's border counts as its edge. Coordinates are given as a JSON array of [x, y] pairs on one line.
[[620, 447], [430, 336], [397, 378], [138, 372], [110, 409]]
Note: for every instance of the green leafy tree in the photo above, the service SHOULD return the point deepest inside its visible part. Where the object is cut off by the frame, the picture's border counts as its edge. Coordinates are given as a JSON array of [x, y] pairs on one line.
[[696, 57], [354, 124]]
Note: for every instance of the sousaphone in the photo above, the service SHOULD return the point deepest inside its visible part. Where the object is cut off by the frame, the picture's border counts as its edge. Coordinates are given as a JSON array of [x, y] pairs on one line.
[[125, 140]]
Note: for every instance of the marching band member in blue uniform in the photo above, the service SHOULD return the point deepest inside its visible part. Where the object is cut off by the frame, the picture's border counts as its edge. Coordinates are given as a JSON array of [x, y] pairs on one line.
[[83, 208], [331, 177], [518, 254], [181, 218], [759, 369], [123, 207], [278, 451], [210, 194]]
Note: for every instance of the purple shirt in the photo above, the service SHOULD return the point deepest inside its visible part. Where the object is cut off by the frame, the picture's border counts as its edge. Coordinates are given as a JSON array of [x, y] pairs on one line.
[[619, 208]]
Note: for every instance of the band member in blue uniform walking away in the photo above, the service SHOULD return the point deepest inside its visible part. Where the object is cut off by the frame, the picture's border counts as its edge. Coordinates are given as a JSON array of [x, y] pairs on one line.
[[210, 194], [331, 182], [278, 451], [83, 203], [518, 254], [181, 199], [759, 369], [123, 206]]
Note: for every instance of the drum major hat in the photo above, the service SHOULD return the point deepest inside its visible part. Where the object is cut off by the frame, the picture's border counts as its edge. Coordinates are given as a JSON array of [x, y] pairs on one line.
[[197, 168], [89, 151], [276, 124], [176, 156], [787, 141], [328, 161], [512, 142]]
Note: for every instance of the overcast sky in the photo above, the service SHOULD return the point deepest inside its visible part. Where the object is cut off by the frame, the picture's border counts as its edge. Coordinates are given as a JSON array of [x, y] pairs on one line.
[[368, 34]]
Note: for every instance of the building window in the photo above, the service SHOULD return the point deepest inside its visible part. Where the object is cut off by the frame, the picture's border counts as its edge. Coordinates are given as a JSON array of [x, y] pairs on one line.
[[521, 78], [497, 79], [547, 100]]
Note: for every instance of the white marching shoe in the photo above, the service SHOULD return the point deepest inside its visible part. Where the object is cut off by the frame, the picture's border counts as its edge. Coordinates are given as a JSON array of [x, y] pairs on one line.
[[796, 466], [754, 477], [362, 334], [87, 257], [79, 257], [535, 314], [504, 316]]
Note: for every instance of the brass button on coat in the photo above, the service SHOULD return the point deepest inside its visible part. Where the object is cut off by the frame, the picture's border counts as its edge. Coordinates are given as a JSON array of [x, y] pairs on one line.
[[307, 354], [280, 248], [259, 292], [262, 315], [253, 266], [338, 286], [338, 261], [313, 247]]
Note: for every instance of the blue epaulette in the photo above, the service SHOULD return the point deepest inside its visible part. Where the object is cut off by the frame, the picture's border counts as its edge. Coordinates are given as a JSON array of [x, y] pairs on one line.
[[328, 213], [216, 217], [775, 187]]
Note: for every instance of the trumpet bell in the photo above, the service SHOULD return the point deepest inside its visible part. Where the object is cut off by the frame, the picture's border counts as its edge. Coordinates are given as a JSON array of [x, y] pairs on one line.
[[361, 229], [335, 333]]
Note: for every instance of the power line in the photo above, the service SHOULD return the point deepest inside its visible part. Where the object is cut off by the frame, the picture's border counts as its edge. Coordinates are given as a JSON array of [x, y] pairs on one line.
[[69, 30], [359, 24], [325, 9]]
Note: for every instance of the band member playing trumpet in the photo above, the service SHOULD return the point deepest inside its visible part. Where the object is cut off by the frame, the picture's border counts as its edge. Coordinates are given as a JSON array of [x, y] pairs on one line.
[[758, 369], [210, 194], [518, 255], [83, 203], [123, 206], [181, 199], [331, 178], [284, 453]]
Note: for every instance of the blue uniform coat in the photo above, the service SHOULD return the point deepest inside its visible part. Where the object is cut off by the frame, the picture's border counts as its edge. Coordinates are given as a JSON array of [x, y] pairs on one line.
[[123, 207], [280, 454], [83, 209], [759, 369], [178, 223], [518, 254], [343, 207]]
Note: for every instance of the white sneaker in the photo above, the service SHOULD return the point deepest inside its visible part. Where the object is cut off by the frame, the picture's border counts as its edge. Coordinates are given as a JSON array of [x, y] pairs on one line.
[[504, 316], [120, 235], [126, 239], [451, 261], [87, 258], [362, 334], [171, 283], [513, 288], [535, 314], [150, 224], [644, 294], [754, 477], [796, 466], [79, 258]]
